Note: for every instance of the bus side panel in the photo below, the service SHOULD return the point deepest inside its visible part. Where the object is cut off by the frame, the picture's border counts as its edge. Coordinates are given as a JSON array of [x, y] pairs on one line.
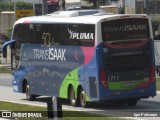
[[63, 93], [88, 74], [50, 75], [50, 66]]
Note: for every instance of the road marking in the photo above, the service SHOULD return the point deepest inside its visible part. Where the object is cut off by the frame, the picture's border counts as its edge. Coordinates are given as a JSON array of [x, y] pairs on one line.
[[158, 92]]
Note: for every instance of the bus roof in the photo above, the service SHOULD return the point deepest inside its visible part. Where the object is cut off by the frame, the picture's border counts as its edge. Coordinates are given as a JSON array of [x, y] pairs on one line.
[[77, 16]]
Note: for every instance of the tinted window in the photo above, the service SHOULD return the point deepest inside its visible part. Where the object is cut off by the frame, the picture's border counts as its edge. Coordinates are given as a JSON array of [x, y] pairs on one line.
[[55, 34], [124, 29], [25, 33], [76, 34]]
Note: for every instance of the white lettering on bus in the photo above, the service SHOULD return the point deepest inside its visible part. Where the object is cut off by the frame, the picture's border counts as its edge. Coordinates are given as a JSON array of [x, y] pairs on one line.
[[50, 54], [75, 35], [126, 28]]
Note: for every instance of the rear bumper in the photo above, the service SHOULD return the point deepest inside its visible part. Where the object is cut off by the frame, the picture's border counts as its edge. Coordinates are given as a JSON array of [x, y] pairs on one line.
[[139, 93]]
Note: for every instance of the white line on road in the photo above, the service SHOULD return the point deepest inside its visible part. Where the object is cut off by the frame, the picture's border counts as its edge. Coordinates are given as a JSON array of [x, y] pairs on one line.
[[158, 92]]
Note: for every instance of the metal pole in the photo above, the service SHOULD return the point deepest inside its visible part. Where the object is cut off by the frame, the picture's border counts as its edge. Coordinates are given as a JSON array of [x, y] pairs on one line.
[[34, 7], [57, 107], [44, 7], [144, 7], [54, 108], [144, 3], [14, 11]]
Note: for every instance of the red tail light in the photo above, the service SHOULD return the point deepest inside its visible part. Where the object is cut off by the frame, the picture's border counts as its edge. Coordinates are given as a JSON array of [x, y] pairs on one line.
[[153, 76], [103, 78]]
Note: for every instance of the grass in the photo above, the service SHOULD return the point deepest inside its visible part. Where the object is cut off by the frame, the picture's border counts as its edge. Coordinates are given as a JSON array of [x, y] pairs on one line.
[[4, 70], [67, 115], [158, 84], [19, 107], [1, 42]]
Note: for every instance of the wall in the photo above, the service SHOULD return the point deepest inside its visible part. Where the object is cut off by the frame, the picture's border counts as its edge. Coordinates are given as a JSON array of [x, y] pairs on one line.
[[36, 1], [6, 21], [110, 9]]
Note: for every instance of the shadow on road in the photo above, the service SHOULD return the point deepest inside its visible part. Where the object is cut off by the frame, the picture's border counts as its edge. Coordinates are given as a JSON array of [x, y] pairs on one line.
[[142, 105]]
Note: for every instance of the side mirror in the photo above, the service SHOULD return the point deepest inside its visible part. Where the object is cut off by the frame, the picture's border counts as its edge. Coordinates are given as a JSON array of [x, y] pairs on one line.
[[1, 49], [4, 48], [4, 52]]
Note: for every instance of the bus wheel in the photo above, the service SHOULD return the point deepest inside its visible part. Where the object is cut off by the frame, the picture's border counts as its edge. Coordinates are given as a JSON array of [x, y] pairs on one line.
[[72, 98], [29, 96], [132, 102], [82, 97]]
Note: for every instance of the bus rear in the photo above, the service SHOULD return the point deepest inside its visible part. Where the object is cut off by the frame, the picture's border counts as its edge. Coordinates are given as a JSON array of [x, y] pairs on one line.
[[126, 59]]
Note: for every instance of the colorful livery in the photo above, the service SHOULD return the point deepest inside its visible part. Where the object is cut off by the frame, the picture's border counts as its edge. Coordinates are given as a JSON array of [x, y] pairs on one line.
[[84, 57]]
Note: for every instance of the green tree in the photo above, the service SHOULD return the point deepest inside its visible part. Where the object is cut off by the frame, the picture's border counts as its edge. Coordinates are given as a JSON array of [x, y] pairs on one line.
[[6, 6], [9, 6], [23, 5]]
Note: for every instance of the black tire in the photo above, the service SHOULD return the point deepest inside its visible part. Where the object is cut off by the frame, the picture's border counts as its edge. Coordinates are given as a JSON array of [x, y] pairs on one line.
[[82, 97], [132, 102], [72, 97], [29, 96]]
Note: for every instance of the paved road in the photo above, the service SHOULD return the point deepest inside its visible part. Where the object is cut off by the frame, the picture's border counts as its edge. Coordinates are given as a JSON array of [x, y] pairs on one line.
[[5, 80], [143, 106], [151, 105]]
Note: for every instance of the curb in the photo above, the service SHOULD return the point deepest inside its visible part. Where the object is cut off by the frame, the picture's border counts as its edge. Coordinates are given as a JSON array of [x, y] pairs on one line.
[[158, 92]]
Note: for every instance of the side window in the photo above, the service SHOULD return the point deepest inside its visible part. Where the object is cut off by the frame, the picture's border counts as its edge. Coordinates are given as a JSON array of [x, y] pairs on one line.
[[72, 34], [49, 35], [63, 34], [39, 29], [15, 51], [16, 33], [86, 35], [76, 34], [24, 33], [32, 37], [56, 34]]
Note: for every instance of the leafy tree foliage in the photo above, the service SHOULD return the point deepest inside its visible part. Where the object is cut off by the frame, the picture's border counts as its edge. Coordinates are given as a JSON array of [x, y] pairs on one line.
[[23, 5], [6, 6], [9, 6]]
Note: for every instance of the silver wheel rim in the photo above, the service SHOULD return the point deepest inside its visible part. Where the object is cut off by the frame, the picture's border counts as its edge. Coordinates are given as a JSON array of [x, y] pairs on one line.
[[73, 100], [27, 91], [82, 98]]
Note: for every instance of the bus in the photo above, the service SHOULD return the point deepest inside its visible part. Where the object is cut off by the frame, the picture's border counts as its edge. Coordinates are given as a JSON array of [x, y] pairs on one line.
[[84, 56]]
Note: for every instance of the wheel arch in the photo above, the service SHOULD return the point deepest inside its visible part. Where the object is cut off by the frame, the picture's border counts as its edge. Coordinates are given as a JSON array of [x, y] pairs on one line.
[[77, 92], [78, 89], [24, 83], [68, 90]]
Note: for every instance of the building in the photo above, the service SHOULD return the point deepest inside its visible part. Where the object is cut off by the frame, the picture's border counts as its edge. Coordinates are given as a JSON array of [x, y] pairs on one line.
[[31, 1]]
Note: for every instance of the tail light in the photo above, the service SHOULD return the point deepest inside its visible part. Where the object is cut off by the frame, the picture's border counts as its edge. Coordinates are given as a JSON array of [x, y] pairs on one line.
[[152, 77], [103, 78]]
